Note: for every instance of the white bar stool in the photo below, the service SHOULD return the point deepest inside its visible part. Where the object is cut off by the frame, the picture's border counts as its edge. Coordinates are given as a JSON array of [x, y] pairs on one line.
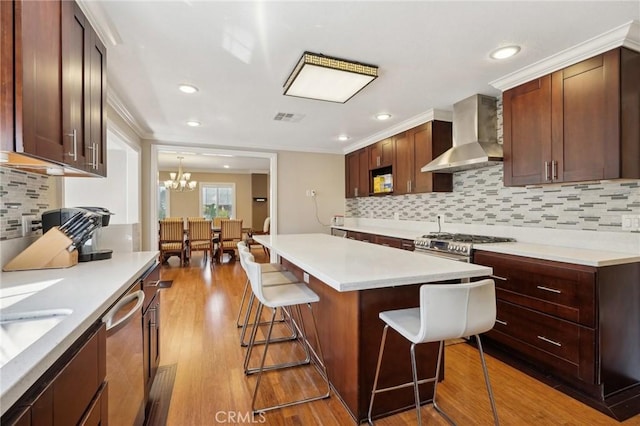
[[266, 267], [281, 296], [447, 311], [269, 278]]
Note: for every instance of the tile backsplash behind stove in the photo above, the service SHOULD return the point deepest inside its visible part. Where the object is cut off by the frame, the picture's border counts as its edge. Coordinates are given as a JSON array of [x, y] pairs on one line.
[[479, 197]]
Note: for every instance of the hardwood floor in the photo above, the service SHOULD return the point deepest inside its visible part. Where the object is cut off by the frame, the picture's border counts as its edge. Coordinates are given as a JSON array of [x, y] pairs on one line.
[[200, 336]]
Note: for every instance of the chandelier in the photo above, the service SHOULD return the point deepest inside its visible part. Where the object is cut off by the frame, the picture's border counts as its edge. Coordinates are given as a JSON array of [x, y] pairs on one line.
[[180, 181]]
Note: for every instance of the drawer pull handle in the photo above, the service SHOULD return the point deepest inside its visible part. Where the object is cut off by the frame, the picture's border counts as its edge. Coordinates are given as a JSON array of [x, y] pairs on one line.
[[498, 278], [558, 344], [501, 322], [552, 290]]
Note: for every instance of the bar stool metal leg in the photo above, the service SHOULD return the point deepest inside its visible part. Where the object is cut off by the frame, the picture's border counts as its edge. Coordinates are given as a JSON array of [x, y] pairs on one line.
[[416, 390], [487, 383], [435, 385], [375, 380], [320, 366]]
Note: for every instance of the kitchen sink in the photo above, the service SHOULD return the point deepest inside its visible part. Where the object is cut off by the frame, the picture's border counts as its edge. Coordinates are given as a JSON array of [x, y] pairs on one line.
[[19, 330], [12, 294]]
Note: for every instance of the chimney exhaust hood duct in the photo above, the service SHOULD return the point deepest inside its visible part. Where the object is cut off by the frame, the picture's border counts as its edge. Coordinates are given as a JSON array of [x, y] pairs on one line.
[[475, 140]]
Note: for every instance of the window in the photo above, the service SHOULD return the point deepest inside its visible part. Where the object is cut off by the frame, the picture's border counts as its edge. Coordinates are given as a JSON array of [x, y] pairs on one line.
[[217, 200], [163, 202]]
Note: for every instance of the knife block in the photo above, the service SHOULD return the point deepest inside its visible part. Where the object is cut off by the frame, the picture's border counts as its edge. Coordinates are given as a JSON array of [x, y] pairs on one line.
[[47, 252]]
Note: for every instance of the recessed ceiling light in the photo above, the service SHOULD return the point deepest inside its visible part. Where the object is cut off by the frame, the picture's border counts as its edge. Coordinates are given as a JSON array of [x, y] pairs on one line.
[[226, 166], [505, 52], [383, 116], [343, 138], [193, 123], [188, 88]]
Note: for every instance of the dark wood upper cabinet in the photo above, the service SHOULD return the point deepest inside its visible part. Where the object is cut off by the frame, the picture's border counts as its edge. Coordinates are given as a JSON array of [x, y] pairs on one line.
[[6, 76], [415, 148], [53, 86], [98, 100], [527, 132], [357, 173], [84, 92], [577, 124], [38, 80], [75, 96], [381, 154]]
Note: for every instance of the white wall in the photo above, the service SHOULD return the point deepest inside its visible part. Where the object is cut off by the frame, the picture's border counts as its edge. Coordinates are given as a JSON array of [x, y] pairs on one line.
[[119, 192], [297, 172]]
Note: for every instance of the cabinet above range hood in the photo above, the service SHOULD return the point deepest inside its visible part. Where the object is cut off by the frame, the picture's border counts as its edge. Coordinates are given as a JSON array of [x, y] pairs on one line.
[[474, 137]]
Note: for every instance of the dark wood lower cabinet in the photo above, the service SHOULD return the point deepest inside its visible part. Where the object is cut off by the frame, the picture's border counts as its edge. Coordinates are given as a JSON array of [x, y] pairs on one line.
[[72, 391], [575, 327], [382, 240]]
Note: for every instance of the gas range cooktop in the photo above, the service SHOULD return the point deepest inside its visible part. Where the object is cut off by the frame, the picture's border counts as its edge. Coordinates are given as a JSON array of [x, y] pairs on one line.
[[456, 245], [466, 238]]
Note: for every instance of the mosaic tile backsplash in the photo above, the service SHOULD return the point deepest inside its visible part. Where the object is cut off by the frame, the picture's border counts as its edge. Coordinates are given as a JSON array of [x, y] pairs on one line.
[[22, 193], [479, 197]]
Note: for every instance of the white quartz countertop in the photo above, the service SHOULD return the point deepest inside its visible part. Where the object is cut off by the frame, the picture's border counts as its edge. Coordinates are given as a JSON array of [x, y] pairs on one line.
[[348, 265], [387, 232], [559, 253], [573, 255], [87, 289]]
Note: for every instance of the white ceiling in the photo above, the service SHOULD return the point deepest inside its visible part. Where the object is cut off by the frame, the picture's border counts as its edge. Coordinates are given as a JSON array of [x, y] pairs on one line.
[[239, 54], [199, 161]]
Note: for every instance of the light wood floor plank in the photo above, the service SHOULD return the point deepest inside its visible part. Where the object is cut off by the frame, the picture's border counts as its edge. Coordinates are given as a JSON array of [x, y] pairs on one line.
[[199, 335]]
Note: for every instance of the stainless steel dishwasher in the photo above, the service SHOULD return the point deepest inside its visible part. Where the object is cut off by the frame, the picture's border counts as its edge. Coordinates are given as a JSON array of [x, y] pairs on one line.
[[125, 377]]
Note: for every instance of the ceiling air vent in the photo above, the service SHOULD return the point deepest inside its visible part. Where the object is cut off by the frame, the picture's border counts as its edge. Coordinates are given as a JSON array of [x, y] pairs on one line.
[[288, 117]]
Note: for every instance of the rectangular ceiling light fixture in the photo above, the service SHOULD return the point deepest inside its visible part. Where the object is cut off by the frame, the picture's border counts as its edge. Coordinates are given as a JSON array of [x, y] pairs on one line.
[[328, 79]]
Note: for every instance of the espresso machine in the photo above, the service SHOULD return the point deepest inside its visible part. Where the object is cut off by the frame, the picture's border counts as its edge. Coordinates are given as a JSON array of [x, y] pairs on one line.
[[84, 226]]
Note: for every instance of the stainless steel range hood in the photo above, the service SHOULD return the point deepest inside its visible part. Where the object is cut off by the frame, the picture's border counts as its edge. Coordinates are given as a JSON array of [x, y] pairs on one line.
[[474, 137]]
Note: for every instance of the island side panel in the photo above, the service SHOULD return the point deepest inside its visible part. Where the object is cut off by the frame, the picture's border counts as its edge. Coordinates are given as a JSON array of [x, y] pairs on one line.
[[337, 319], [396, 362]]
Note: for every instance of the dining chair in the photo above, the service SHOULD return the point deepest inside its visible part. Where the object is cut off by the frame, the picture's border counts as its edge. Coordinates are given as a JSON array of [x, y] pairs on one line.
[[171, 239], [230, 236], [200, 237], [265, 231], [446, 311]]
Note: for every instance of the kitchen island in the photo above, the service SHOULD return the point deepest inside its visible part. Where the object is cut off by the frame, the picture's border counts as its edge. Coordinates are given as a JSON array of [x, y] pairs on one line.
[[85, 292], [355, 282]]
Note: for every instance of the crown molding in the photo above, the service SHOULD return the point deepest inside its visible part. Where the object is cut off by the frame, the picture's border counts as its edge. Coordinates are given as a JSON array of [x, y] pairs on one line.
[[114, 101], [157, 139], [429, 115], [627, 35], [100, 22]]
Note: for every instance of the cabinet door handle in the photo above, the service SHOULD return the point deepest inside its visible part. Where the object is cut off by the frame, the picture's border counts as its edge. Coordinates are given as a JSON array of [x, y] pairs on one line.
[[554, 170], [385, 244], [355, 190], [378, 160], [154, 321], [409, 183], [546, 171], [498, 278], [93, 155], [97, 155], [553, 342], [552, 290], [74, 135], [501, 322]]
